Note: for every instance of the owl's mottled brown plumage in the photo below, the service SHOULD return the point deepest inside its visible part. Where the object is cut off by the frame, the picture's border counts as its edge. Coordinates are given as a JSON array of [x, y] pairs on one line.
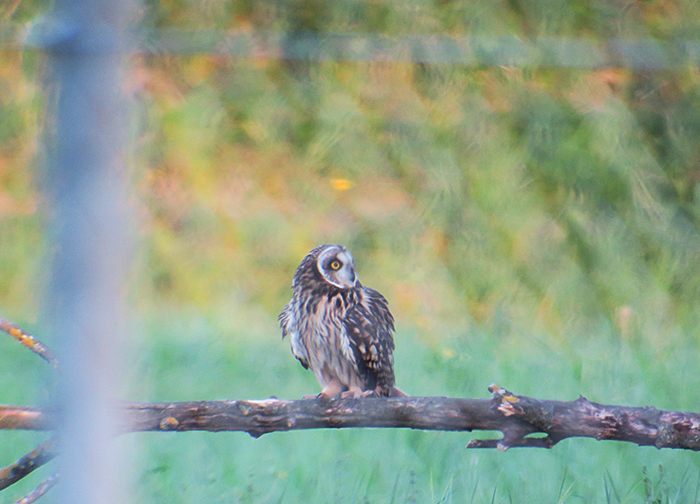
[[340, 329]]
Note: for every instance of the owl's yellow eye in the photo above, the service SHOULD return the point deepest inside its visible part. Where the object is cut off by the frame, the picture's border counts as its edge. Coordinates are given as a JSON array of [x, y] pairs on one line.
[[335, 265]]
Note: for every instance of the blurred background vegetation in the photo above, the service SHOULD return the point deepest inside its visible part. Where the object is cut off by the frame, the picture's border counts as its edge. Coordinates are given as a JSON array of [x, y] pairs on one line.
[[531, 226]]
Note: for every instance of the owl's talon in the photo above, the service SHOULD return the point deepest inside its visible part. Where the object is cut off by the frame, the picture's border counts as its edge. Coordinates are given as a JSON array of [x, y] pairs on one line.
[[323, 398], [332, 389]]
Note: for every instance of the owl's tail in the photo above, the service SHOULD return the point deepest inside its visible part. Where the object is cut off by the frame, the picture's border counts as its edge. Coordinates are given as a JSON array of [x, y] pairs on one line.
[[396, 392]]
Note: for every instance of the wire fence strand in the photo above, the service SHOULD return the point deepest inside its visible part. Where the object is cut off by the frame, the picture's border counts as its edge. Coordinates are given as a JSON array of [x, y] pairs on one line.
[[574, 53]]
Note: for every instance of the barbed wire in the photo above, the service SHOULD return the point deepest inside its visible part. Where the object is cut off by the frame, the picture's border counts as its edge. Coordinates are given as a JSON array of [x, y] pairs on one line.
[[573, 53]]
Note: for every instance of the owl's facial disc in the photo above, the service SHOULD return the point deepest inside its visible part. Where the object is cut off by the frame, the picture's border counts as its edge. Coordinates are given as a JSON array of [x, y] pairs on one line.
[[337, 266]]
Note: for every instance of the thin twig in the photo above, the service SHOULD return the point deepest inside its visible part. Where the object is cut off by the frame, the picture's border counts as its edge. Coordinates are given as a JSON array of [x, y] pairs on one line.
[[20, 418], [43, 487], [33, 460], [29, 341]]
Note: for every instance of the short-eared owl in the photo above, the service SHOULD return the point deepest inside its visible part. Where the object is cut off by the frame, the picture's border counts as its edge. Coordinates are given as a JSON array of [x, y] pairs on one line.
[[339, 328]]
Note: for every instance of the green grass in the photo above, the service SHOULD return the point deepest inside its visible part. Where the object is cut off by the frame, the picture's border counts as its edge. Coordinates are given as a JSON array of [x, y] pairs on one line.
[[197, 360], [189, 357]]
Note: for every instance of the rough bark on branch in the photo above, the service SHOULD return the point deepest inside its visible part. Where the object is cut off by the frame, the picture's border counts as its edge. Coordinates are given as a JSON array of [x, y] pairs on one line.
[[515, 416], [31, 461]]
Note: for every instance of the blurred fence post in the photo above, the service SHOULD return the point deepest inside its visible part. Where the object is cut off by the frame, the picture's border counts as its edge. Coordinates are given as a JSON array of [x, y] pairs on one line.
[[90, 239]]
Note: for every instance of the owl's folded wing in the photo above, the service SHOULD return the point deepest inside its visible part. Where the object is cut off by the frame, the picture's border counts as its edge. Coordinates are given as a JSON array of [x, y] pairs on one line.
[[370, 328]]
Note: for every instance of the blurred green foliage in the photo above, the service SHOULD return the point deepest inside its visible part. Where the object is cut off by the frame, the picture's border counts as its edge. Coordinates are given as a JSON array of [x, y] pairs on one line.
[[535, 227]]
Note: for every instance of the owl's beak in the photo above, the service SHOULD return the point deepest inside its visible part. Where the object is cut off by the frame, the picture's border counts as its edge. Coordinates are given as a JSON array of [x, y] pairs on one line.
[[347, 278]]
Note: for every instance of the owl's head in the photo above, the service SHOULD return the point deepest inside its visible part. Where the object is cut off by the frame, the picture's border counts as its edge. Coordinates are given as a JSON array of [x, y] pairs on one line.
[[334, 264]]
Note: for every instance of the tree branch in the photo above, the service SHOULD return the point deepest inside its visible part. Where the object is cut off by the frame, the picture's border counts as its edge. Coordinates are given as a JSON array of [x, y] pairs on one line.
[[43, 487], [23, 418], [33, 460], [517, 417], [29, 341]]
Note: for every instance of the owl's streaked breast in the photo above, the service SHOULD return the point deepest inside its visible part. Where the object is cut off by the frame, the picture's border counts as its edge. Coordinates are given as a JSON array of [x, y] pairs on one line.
[[321, 332]]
